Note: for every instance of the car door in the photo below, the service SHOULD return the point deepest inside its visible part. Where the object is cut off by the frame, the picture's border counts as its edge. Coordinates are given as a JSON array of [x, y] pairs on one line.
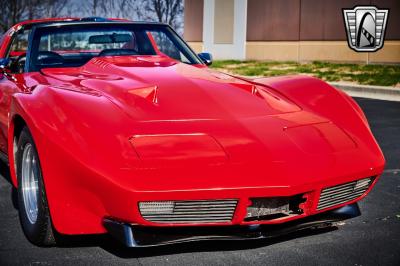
[[11, 81]]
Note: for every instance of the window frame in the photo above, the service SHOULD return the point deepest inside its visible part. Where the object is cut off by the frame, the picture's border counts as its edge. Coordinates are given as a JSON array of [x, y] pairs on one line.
[[13, 38], [33, 42]]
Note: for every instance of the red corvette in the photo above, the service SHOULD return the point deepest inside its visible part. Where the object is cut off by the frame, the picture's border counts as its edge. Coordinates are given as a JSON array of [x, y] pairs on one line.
[[112, 126]]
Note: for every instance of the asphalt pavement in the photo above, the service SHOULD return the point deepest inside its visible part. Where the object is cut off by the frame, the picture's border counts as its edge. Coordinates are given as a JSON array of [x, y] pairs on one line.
[[371, 239]]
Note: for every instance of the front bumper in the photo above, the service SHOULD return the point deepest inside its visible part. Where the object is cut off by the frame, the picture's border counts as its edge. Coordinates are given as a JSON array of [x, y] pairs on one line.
[[142, 236]]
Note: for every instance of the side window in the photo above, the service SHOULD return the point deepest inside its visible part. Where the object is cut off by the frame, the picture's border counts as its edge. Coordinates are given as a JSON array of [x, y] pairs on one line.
[[87, 41], [17, 51], [19, 44], [167, 47]]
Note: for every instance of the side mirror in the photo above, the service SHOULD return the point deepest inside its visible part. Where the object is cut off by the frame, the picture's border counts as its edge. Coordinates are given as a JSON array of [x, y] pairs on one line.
[[206, 58], [4, 64]]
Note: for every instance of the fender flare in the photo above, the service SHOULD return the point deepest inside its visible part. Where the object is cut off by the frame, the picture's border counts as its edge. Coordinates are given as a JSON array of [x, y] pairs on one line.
[[17, 112]]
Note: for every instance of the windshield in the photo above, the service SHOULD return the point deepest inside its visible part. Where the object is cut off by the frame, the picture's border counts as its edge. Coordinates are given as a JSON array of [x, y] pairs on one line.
[[75, 45]]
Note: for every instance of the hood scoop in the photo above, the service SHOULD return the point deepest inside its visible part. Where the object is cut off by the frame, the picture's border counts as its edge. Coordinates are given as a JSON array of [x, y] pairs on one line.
[[148, 93], [272, 99]]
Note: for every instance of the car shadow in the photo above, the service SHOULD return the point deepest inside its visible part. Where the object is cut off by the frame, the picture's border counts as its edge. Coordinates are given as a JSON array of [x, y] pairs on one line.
[[115, 248], [5, 173]]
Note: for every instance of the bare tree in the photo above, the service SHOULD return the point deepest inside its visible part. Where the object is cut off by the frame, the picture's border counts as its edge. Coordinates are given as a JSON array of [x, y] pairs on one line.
[[34, 8], [110, 8], [165, 11], [14, 11], [52, 8], [91, 7]]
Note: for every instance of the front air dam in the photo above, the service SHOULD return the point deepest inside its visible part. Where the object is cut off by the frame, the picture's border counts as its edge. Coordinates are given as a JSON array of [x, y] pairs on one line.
[[142, 236]]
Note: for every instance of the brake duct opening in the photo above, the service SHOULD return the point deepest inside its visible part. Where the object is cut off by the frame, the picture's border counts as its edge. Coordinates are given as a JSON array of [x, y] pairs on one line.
[[262, 209]]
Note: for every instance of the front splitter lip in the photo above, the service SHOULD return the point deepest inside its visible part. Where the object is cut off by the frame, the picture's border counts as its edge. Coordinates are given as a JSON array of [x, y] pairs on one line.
[[145, 236]]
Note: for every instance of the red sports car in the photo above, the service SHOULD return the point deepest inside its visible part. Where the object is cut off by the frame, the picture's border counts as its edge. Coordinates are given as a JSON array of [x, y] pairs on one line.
[[112, 126]]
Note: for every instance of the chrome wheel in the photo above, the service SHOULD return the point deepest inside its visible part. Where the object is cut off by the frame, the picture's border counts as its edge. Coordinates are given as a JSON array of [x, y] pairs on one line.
[[33, 208], [29, 182]]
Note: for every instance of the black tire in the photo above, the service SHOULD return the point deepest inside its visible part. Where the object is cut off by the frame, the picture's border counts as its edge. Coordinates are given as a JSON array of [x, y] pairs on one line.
[[41, 231]]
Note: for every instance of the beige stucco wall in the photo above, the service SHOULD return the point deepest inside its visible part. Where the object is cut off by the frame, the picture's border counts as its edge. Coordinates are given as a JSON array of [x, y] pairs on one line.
[[223, 21], [329, 51], [275, 51], [320, 50], [193, 18], [390, 53], [196, 46]]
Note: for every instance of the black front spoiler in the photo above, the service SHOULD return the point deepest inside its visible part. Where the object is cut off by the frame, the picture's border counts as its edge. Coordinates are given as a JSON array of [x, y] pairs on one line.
[[141, 236]]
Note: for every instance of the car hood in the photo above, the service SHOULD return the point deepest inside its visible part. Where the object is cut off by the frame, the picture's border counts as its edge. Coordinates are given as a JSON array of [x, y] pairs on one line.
[[189, 124], [158, 88]]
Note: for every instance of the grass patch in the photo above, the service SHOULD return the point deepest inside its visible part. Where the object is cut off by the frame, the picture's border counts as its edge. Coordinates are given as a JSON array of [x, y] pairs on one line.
[[383, 75]]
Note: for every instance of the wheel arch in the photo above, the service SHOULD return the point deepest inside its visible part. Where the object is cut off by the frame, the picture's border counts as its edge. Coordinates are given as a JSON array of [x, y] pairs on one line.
[[20, 116], [17, 124], [62, 159]]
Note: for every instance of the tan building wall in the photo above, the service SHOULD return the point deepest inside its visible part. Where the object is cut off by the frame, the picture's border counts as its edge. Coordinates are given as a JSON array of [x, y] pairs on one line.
[[273, 20], [274, 51], [305, 30], [223, 21], [309, 20], [196, 46], [193, 16], [390, 53], [335, 51], [303, 51]]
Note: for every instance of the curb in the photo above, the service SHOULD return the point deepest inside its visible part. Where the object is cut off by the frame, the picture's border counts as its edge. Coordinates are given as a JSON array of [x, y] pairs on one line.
[[367, 91]]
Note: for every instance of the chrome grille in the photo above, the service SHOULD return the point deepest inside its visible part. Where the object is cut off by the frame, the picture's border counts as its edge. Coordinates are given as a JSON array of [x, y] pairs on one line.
[[194, 211], [336, 195]]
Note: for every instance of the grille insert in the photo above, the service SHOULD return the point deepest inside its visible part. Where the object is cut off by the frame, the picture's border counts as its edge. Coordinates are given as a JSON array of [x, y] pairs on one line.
[[339, 194], [194, 211]]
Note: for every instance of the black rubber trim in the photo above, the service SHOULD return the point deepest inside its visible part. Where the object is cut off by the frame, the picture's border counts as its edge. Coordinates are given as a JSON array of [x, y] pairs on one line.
[[141, 236], [3, 157]]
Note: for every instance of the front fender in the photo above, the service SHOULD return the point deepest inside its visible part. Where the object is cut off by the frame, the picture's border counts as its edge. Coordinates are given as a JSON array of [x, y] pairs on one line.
[[317, 96], [79, 138]]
